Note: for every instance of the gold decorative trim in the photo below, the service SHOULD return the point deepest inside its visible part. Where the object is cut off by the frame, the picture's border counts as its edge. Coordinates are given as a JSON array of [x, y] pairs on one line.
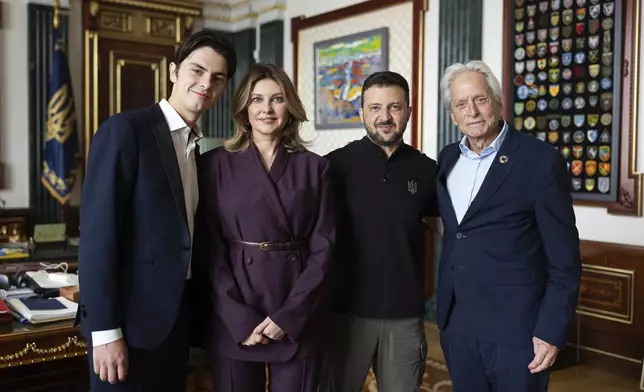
[[635, 69], [170, 42], [72, 341], [607, 315], [158, 66], [607, 353], [421, 63], [177, 9], [250, 15]]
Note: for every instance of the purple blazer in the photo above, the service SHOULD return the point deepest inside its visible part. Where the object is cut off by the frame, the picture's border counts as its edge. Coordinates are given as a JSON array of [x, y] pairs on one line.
[[243, 202]]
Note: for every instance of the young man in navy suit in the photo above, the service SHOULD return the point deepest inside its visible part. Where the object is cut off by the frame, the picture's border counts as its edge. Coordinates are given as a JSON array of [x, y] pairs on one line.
[[510, 264], [137, 221]]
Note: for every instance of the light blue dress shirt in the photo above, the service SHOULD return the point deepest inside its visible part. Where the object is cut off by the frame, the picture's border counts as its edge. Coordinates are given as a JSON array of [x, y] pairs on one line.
[[465, 179]]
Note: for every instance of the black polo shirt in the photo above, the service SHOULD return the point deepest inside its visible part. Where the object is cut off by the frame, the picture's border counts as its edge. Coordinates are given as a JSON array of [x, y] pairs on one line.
[[381, 201]]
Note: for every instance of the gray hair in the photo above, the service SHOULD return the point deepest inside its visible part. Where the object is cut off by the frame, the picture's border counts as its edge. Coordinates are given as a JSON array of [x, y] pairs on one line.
[[456, 69]]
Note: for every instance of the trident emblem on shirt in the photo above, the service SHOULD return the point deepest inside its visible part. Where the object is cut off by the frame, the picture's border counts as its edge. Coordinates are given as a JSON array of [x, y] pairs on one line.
[[412, 187]]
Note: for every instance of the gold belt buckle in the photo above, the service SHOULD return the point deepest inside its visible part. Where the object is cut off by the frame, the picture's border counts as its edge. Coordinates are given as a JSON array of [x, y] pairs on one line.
[[263, 246]]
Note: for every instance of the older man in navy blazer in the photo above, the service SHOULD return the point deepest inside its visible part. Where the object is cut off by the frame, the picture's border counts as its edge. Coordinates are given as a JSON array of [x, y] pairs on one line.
[[510, 265]]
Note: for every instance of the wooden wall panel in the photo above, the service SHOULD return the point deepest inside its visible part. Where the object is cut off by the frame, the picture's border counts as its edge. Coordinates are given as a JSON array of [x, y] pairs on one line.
[[608, 331]]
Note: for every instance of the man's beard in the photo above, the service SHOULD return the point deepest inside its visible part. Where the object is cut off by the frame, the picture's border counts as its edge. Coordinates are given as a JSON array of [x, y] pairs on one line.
[[374, 136]]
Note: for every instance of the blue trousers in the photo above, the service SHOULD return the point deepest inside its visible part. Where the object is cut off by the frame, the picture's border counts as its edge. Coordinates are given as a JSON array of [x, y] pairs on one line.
[[477, 366]]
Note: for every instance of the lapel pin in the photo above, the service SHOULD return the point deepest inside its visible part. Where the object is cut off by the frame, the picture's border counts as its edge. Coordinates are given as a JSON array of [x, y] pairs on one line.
[[503, 159]]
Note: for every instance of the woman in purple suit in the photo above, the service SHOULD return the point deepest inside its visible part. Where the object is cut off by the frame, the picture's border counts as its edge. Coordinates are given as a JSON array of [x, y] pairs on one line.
[[267, 205]]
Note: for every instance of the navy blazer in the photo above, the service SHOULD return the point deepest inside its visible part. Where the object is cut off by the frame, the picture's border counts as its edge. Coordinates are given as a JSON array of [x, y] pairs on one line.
[[511, 269], [135, 243]]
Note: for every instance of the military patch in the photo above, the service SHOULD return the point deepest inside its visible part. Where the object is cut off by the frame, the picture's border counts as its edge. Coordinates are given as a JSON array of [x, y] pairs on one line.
[[579, 28], [594, 11], [553, 76], [581, 14], [605, 137], [553, 104], [518, 108], [518, 123], [606, 83], [566, 104], [567, 17], [604, 153], [593, 119], [580, 87], [606, 119], [607, 58], [592, 101], [566, 58], [531, 10], [593, 86], [580, 103], [608, 8], [565, 121], [578, 136], [592, 135], [553, 47], [591, 152], [593, 70], [530, 106], [565, 137], [565, 151], [591, 168], [604, 168], [529, 123], [553, 136], [576, 167], [607, 23], [577, 151], [576, 184], [529, 37], [606, 100], [603, 184], [553, 89], [589, 184]]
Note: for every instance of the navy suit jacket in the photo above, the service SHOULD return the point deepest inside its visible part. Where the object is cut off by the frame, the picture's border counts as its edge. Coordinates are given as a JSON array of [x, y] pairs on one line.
[[511, 269], [135, 243]]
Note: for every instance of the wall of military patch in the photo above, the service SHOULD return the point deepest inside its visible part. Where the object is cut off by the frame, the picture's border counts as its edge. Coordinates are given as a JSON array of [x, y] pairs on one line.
[[565, 57]]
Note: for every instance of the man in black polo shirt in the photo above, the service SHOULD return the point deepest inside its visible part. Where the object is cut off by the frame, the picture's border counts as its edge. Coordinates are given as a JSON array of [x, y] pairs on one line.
[[384, 189]]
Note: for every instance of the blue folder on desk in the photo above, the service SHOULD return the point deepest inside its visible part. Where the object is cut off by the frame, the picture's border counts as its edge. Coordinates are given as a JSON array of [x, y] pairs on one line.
[[43, 304]]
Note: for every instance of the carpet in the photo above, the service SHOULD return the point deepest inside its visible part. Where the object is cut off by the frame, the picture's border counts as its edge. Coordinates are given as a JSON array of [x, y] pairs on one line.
[[435, 379]]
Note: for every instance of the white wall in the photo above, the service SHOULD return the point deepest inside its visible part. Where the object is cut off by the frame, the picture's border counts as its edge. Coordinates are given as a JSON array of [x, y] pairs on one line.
[[14, 100], [14, 104], [593, 223], [297, 8]]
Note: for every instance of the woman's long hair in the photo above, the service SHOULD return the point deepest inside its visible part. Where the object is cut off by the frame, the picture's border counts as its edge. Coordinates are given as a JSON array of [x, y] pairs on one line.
[[242, 138]]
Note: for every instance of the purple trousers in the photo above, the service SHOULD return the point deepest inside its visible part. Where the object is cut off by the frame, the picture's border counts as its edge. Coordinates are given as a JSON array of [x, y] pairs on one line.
[[296, 375]]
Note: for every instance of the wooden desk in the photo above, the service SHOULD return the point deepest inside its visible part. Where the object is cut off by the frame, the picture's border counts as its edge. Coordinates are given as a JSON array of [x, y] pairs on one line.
[[48, 357]]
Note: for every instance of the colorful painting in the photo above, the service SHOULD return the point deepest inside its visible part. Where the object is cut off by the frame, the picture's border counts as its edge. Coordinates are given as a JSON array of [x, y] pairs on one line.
[[341, 66]]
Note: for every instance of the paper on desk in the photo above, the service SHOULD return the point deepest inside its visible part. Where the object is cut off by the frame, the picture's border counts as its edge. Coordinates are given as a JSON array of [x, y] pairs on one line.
[[53, 280], [43, 316]]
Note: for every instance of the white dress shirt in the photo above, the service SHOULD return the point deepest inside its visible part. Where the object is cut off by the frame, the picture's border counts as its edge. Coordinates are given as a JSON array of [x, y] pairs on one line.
[[466, 178], [185, 142]]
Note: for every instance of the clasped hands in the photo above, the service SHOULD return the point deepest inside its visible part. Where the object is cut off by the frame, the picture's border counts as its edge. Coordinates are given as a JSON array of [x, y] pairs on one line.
[[266, 330]]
